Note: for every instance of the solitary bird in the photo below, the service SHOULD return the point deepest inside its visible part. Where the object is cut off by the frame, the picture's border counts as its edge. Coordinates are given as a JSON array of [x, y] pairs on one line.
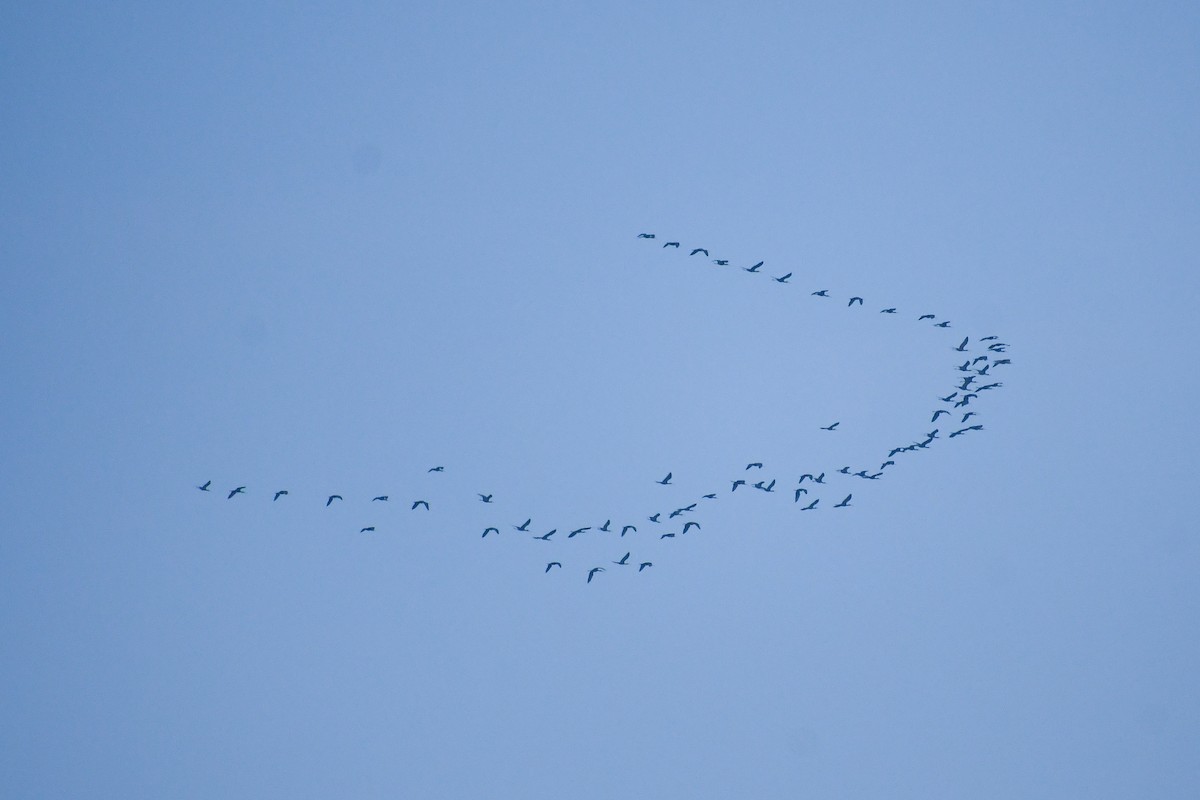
[[546, 536], [692, 524], [642, 236], [624, 560], [699, 250], [604, 527], [419, 503], [852, 299], [888, 311], [822, 293], [845, 502], [943, 324], [367, 530], [754, 465], [737, 484], [644, 564], [811, 505], [487, 498], [721, 262], [962, 347], [553, 564], [382, 497], [831, 427], [844, 470], [436, 469], [238, 490], [665, 481], [486, 531], [279, 494], [926, 316], [654, 518], [667, 536], [782, 278], [332, 497], [628, 528], [754, 268], [593, 572], [524, 526], [204, 486], [671, 244]]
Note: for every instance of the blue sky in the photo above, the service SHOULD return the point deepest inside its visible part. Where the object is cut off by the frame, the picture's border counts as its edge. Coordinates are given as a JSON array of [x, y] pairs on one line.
[[325, 249]]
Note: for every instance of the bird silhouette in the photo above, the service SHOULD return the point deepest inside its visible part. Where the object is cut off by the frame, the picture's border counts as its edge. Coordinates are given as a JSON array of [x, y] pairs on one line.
[[831, 427], [382, 498], [524, 526], [436, 469], [754, 465], [654, 518], [968, 415], [948, 397], [822, 293], [238, 490], [545, 537], [721, 262], [578, 531], [486, 498], [845, 502], [332, 497], [624, 560], [966, 381], [989, 338], [665, 481], [811, 505], [671, 244], [709, 496], [888, 463], [644, 564], [944, 324], [699, 250], [367, 530], [926, 316], [204, 486], [628, 528], [938, 413], [754, 268], [691, 524], [766, 487], [820, 478], [605, 527], [667, 536], [486, 531], [962, 347], [419, 503], [642, 236], [736, 484], [553, 564], [852, 299], [593, 572], [782, 278], [888, 311], [799, 491]]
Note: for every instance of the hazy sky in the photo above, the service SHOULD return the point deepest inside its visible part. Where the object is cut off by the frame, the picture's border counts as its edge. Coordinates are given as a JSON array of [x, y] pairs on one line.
[[327, 248]]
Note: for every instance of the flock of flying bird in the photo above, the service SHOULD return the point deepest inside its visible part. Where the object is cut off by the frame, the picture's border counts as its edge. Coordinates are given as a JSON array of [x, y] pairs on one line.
[[974, 379]]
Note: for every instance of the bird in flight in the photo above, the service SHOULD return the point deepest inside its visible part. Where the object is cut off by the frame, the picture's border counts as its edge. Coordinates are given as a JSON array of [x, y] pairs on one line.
[[811, 505], [938, 413], [654, 518], [943, 324], [831, 427], [628, 528], [926, 316], [845, 502], [546, 536], [624, 560], [766, 487], [665, 481], [332, 497], [382, 498], [642, 236], [487, 498], [367, 530], [754, 268], [672, 244], [436, 469], [644, 564], [822, 293], [721, 262], [238, 490], [799, 491], [667, 536], [553, 564], [699, 250], [279, 494], [737, 484], [592, 573], [419, 503], [709, 496], [962, 347], [524, 526], [888, 311], [754, 465], [782, 278], [964, 430], [604, 527], [578, 531], [204, 486], [852, 299], [691, 524], [486, 531], [968, 415]]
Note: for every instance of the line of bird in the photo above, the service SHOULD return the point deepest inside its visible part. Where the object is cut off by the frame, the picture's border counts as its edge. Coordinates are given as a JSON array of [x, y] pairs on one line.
[[962, 394]]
